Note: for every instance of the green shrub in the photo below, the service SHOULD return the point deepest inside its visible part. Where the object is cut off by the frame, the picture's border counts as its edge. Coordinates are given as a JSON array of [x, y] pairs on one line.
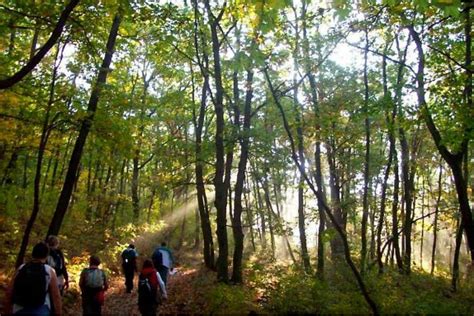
[[230, 299]]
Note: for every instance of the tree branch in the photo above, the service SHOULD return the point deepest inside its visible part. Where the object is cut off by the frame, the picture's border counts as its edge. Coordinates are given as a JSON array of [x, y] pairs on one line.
[[384, 55], [30, 65]]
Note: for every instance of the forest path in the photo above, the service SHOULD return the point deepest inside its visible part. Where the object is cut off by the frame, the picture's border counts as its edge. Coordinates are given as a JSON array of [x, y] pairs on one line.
[[183, 297]]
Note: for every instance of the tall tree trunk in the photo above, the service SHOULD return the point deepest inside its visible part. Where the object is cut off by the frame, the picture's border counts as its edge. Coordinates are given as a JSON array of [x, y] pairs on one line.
[[55, 167], [454, 160], [136, 158], [337, 250], [48, 167], [270, 213], [7, 178], [239, 185], [249, 213], [121, 191], [322, 216], [392, 138], [390, 123], [208, 243], [197, 229], [365, 203], [11, 43], [318, 173], [408, 201], [395, 233], [134, 187], [91, 185], [372, 211], [300, 145], [25, 170], [183, 223], [422, 223], [259, 207], [435, 224], [39, 164], [66, 192], [101, 205], [150, 205], [220, 201], [457, 251], [66, 154]]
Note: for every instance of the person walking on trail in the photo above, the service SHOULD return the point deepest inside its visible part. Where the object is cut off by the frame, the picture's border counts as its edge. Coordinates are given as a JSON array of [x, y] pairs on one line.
[[129, 265], [34, 288], [93, 284], [56, 261], [151, 289], [163, 261]]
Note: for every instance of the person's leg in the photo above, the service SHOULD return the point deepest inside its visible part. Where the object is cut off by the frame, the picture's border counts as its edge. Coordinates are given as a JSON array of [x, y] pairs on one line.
[[129, 274], [96, 308], [86, 310], [163, 273], [147, 309], [132, 276], [90, 306]]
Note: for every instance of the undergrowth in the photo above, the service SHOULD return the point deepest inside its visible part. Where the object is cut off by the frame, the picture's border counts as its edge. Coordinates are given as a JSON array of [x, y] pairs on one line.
[[285, 290]]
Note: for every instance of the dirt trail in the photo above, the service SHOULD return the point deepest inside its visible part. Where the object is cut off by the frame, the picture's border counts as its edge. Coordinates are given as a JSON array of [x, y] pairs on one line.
[[183, 296]]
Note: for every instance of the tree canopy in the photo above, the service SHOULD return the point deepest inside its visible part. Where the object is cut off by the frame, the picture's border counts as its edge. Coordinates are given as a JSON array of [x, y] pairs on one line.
[[320, 134]]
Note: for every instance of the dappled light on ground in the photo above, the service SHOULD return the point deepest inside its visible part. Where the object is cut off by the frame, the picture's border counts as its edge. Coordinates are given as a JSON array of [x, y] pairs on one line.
[[184, 296], [118, 302]]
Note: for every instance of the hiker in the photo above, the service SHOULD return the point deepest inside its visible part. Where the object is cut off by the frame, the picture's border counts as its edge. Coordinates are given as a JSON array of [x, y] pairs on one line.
[[163, 261], [149, 297], [34, 288], [129, 265], [93, 284], [56, 261]]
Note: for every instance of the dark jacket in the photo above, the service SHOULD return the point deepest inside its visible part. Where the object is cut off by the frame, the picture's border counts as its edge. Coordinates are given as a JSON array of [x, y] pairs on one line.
[[56, 260]]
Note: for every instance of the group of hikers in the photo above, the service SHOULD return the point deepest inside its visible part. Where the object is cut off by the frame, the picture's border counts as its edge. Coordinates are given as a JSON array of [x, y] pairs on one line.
[[152, 279], [38, 285]]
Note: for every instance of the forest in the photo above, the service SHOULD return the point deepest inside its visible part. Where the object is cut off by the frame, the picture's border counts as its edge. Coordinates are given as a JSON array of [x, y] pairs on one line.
[[298, 156]]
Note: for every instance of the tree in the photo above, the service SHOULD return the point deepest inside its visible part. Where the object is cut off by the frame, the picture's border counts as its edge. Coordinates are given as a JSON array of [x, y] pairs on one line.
[[455, 157], [35, 60], [328, 211], [71, 175], [220, 201], [198, 121]]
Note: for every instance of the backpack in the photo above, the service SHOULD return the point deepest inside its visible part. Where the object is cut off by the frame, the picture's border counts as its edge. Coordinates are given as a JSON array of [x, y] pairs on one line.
[[94, 278], [157, 258], [146, 293], [56, 262], [29, 287], [127, 256]]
